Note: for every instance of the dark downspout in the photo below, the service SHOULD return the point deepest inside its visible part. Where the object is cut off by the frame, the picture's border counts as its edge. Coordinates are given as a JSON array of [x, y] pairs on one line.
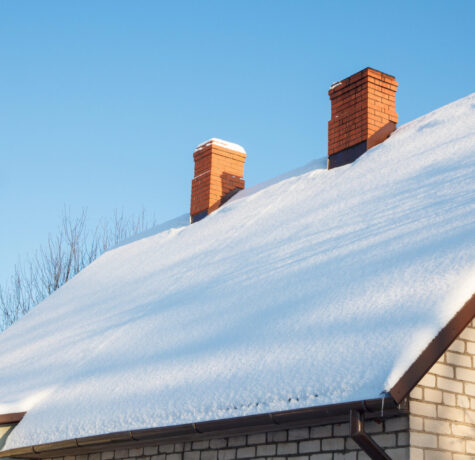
[[362, 438]]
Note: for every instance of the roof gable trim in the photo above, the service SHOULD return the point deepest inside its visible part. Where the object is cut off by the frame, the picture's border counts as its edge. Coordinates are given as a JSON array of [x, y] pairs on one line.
[[433, 351]]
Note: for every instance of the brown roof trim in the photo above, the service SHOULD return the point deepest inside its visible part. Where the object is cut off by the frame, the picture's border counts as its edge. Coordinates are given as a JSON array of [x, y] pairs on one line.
[[14, 417], [333, 413], [433, 351]]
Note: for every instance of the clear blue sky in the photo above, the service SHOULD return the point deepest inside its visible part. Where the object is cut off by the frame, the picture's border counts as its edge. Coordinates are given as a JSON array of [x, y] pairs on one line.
[[103, 102]]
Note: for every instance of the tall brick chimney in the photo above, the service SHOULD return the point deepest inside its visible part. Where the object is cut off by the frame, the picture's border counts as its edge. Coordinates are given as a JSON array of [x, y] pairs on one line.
[[219, 168], [363, 115]]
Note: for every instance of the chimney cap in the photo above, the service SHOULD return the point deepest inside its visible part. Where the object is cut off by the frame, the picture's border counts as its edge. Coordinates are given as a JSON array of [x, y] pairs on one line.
[[221, 143]]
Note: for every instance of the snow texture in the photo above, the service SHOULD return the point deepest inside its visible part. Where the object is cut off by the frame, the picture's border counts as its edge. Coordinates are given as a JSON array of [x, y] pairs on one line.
[[320, 287]]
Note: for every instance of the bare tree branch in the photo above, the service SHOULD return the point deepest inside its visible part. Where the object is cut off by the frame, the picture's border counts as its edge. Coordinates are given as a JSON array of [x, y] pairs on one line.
[[66, 253]]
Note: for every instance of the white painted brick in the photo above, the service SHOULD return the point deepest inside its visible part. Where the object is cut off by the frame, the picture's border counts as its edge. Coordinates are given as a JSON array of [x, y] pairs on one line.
[[467, 375], [467, 431], [463, 401], [427, 381], [471, 348], [333, 444], [458, 346], [472, 403], [191, 455], [286, 448], [277, 436], [398, 454], [423, 440], [266, 449], [397, 423], [341, 429], [347, 456], [385, 439], [458, 359], [438, 455], [443, 370], [462, 457], [166, 448], [450, 413], [470, 389], [416, 393], [309, 446], [321, 431], [449, 385], [373, 427], [362, 456], [403, 438], [416, 454], [350, 444], [452, 444], [321, 457], [246, 452], [468, 334], [436, 426], [235, 441], [218, 443], [298, 433], [200, 445], [258, 438], [158, 457], [209, 455], [470, 447], [449, 399], [469, 416], [424, 409], [431, 395], [226, 454], [108, 455], [415, 423]]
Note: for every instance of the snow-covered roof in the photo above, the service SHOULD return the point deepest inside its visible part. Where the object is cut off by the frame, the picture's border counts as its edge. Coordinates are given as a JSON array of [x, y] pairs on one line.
[[317, 288]]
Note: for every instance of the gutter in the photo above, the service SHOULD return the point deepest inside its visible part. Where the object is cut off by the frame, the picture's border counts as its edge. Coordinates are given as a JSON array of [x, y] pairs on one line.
[[363, 439], [317, 415]]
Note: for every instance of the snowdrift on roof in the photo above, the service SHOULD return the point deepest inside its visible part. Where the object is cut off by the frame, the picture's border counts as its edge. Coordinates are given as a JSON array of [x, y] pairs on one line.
[[319, 288]]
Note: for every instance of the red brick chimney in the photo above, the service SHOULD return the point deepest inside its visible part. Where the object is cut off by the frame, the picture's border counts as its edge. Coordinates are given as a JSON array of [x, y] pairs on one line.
[[363, 115], [219, 168]]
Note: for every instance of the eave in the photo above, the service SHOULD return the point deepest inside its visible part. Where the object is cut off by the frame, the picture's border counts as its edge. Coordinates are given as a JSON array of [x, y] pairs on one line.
[[318, 415]]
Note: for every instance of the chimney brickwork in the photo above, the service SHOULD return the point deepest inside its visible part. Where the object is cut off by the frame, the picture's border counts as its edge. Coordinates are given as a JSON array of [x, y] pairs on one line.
[[219, 168], [363, 115]]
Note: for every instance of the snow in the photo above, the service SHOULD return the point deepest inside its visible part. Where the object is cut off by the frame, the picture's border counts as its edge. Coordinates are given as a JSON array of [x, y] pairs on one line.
[[319, 287], [220, 142]]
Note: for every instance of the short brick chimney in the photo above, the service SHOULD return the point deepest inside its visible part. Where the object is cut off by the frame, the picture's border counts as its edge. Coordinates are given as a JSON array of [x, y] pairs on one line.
[[219, 168], [363, 115]]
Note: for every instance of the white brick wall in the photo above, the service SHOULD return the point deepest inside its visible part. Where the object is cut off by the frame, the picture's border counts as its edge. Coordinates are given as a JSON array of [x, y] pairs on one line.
[[442, 406], [331, 442]]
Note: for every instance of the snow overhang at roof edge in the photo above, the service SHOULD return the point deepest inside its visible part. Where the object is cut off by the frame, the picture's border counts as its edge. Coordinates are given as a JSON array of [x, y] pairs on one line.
[[334, 413]]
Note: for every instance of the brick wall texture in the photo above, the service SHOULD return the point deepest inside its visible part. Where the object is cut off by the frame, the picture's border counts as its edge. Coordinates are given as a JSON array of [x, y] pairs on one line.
[[361, 105], [442, 406], [218, 171], [325, 442], [440, 425]]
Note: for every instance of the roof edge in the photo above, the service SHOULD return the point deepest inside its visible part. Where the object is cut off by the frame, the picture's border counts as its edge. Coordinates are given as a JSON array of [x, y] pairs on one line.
[[433, 351], [13, 417], [333, 413]]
